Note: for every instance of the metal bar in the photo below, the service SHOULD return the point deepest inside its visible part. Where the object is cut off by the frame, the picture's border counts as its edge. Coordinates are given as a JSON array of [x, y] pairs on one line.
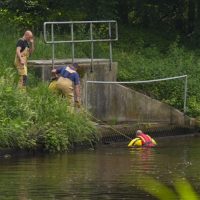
[[52, 41], [43, 74], [45, 31], [151, 81], [72, 38], [53, 45], [86, 94], [135, 82], [110, 46], [116, 31], [80, 41], [92, 47], [185, 95], [81, 22]]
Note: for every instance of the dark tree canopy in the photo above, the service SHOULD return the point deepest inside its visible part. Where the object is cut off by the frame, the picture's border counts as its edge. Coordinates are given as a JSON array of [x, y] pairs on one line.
[[182, 16]]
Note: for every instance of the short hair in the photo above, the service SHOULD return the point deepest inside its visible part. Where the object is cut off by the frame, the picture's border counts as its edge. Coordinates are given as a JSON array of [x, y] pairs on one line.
[[138, 132], [76, 65]]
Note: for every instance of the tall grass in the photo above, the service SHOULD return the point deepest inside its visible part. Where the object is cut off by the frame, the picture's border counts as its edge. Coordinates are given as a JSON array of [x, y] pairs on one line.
[[182, 189], [39, 119]]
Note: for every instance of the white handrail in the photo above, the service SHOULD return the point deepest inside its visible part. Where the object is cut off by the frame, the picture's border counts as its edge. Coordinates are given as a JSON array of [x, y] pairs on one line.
[[146, 81]]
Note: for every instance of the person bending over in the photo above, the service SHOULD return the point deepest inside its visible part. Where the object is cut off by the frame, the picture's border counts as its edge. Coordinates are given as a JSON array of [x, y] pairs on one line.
[[68, 83]]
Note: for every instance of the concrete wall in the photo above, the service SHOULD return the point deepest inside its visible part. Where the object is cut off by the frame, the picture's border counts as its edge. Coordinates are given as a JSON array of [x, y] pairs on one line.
[[121, 104], [117, 103]]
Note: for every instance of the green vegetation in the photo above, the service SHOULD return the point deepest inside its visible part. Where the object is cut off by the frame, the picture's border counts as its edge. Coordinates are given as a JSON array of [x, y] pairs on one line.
[[39, 119], [183, 189]]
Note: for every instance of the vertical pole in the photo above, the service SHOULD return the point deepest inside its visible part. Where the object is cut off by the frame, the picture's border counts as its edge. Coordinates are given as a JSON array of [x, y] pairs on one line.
[[72, 39], [185, 95], [53, 45], [110, 45], [92, 47], [86, 93], [116, 30]]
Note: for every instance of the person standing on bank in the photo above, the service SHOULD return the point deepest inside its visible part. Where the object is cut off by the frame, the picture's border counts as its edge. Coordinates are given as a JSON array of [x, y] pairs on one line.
[[68, 83], [24, 48]]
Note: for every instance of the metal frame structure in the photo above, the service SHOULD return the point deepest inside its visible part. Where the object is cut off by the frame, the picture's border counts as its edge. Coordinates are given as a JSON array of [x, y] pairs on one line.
[[146, 81], [52, 41]]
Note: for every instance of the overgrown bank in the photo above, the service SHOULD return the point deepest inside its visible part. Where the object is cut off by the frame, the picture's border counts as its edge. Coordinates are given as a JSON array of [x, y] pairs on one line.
[[38, 119]]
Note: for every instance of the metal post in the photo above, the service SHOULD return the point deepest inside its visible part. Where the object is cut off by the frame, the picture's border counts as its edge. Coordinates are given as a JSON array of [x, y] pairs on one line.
[[92, 47], [53, 45], [110, 45], [86, 97], [116, 30], [185, 95], [72, 39]]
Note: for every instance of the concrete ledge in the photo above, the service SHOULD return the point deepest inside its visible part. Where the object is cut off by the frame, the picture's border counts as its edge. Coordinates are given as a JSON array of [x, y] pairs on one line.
[[100, 66], [81, 61], [123, 133]]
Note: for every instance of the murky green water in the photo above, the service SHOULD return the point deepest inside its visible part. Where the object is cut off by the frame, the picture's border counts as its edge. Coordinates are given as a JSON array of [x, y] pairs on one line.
[[109, 172]]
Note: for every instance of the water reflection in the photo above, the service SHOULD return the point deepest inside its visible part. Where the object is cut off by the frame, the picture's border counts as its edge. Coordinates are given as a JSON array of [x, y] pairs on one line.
[[106, 173], [142, 159]]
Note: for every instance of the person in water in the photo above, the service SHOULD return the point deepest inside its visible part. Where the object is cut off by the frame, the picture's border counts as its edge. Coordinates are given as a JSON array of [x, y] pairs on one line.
[[142, 140]]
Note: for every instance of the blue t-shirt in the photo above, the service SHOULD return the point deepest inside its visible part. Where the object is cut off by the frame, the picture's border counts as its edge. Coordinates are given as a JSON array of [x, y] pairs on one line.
[[74, 77]]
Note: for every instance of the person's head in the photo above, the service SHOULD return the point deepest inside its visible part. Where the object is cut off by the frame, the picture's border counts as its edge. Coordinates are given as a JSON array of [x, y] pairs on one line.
[[138, 132], [75, 65], [28, 36]]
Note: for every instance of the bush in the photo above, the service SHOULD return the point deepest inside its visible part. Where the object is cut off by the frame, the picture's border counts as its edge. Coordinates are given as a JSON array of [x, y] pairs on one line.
[[39, 119]]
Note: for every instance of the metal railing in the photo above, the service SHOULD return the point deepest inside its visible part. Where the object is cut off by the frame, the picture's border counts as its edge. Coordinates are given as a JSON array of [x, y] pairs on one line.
[[145, 81], [91, 39]]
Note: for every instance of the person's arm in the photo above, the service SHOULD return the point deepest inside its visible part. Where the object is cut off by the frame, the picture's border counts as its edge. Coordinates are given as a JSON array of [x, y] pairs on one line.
[[77, 96], [32, 46], [77, 93], [77, 88], [18, 49]]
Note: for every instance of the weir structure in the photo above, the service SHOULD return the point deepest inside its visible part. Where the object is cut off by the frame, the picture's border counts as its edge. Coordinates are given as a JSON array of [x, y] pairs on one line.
[[112, 104]]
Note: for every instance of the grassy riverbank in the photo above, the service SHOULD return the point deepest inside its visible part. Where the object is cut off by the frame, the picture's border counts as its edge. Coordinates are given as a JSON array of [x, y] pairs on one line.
[[40, 119]]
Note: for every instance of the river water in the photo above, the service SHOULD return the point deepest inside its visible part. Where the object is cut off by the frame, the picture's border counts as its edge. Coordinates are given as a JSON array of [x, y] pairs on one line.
[[108, 172]]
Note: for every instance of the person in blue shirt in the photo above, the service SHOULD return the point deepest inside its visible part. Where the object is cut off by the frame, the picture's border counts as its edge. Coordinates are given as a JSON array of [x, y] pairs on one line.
[[68, 83]]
